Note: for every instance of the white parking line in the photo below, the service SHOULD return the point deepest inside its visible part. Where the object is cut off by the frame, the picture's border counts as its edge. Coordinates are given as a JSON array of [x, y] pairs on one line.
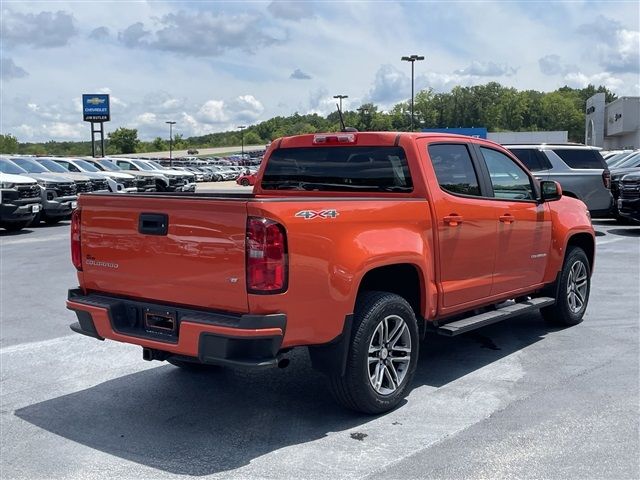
[[24, 347], [22, 241], [612, 240]]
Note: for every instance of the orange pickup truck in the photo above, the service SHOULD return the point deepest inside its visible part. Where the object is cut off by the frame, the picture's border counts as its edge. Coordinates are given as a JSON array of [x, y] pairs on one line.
[[353, 245]]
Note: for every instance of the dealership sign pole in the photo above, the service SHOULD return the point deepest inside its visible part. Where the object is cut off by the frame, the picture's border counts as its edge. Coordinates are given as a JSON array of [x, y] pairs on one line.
[[95, 109]]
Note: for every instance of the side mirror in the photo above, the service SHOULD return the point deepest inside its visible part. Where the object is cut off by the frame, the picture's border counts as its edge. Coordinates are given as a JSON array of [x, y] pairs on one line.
[[550, 191]]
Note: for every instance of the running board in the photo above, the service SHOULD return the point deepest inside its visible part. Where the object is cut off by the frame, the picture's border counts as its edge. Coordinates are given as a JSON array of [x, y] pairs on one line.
[[494, 316]]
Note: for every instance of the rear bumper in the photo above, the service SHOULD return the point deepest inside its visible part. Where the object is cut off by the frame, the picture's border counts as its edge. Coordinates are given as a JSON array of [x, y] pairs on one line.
[[629, 208], [210, 337]]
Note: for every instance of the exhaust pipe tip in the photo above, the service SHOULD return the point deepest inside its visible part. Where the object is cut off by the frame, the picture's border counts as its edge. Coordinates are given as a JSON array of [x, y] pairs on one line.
[[283, 363]]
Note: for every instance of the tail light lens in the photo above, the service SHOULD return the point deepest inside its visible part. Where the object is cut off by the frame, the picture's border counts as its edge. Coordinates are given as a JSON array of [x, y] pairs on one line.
[[76, 254], [266, 250], [606, 178]]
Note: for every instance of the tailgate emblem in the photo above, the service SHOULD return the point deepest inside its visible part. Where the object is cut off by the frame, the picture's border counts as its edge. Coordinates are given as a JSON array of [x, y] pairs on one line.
[[310, 214]]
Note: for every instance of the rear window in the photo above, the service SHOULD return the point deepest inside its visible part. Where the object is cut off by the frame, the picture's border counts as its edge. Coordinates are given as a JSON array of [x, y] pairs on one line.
[[581, 158], [360, 169], [532, 158]]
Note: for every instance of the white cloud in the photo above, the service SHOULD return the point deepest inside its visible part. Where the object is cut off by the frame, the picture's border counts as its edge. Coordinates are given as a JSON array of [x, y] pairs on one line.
[[580, 80], [147, 118], [298, 74], [212, 112], [291, 10], [487, 69], [42, 30]]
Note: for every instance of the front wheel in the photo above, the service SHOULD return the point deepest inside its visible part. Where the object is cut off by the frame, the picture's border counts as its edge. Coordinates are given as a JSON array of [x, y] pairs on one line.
[[382, 355], [573, 290], [244, 182]]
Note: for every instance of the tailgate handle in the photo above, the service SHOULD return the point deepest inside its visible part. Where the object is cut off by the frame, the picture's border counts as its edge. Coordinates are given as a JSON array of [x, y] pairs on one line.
[[153, 223]]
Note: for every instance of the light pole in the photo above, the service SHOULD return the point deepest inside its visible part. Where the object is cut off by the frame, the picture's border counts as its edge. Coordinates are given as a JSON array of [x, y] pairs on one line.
[[171, 124], [412, 59], [242, 127], [340, 97]]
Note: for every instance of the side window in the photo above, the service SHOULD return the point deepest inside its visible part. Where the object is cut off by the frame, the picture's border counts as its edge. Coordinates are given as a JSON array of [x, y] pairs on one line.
[[509, 180], [454, 168], [124, 165], [532, 158]]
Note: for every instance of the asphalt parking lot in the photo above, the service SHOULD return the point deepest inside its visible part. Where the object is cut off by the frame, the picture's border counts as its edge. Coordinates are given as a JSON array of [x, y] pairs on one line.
[[513, 400]]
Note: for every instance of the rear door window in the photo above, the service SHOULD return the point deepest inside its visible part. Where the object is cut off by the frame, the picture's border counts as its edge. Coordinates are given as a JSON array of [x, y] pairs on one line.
[[581, 158], [454, 168], [358, 169]]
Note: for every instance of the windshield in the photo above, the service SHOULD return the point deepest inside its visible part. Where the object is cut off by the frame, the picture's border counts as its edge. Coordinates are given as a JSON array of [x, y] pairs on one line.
[[85, 165], [52, 166], [156, 164], [631, 161], [141, 165], [107, 165], [360, 169], [29, 165], [7, 166]]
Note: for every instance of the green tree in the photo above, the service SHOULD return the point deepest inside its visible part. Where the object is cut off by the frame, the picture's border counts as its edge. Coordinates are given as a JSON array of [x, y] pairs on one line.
[[158, 145], [124, 139], [8, 144], [252, 138]]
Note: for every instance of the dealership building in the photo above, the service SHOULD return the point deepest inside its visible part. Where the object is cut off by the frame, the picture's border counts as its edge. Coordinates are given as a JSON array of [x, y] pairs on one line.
[[615, 125]]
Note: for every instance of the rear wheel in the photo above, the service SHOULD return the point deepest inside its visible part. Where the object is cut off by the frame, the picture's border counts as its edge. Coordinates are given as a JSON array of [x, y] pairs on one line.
[[244, 182], [573, 290], [382, 355]]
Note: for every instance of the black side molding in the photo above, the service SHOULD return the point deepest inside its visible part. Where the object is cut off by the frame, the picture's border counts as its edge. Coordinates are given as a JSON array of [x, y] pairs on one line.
[[85, 326]]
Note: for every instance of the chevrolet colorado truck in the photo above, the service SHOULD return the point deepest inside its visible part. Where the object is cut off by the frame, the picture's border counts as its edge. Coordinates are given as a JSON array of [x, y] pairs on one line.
[[352, 245]]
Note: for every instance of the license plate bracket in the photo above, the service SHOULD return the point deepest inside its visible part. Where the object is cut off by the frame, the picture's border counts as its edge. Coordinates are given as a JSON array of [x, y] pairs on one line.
[[160, 321]]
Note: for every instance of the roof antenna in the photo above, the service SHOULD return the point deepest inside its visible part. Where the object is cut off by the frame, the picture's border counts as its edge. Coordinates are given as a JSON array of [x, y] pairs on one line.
[[344, 129]]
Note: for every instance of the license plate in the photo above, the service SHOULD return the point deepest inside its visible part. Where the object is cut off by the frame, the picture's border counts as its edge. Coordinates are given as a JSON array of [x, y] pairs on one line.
[[35, 208], [74, 204]]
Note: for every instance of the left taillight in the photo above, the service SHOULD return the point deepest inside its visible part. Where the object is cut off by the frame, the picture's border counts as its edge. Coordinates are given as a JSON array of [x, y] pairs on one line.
[[606, 178], [266, 252], [76, 254]]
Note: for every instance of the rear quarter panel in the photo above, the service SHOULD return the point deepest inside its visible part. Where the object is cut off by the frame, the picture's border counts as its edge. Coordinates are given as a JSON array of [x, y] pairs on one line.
[[328, 257]]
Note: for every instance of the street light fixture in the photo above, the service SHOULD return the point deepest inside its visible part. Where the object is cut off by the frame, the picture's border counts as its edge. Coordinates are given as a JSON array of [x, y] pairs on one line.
[[412, 59], [171, 124], [242, 127], [340, 97]]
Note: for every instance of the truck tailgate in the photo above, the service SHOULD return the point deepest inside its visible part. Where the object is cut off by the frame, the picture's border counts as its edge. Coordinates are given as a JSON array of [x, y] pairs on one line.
[[199, 261]]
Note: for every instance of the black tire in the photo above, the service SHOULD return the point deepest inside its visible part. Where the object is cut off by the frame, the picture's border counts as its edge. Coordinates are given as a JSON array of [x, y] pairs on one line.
[[244, 182], [355, 389], [562, 312], [36, 220], [193, 366], [52, 220], [160, 186], [15, 226]]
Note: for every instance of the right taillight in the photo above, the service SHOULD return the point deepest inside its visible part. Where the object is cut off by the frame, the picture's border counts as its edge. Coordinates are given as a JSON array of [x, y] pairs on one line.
[[606, 178], [76, 254], [266, 252]]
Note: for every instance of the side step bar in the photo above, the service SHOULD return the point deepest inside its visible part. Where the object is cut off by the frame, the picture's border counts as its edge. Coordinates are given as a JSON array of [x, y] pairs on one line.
[[487, 318]]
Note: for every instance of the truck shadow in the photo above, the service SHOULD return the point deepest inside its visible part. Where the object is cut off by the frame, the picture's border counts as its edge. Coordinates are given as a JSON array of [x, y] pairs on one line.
[[203, 423]]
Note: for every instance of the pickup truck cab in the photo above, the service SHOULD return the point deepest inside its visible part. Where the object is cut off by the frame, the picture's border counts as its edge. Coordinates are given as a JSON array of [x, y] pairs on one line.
[[353, 245]]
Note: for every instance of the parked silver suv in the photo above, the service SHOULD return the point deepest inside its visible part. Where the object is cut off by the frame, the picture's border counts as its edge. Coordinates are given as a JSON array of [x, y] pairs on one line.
[[580, 170]]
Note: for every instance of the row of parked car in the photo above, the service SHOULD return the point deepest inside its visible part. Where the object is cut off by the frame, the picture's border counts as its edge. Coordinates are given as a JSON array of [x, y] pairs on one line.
[[35, 189]]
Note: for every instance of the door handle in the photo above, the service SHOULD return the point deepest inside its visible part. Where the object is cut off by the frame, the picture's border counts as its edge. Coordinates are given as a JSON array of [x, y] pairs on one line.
[[453, 220], [153, 223], [507, 218]]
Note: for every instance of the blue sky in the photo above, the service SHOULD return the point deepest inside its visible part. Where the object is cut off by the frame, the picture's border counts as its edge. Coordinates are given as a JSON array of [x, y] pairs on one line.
[[211, 66]]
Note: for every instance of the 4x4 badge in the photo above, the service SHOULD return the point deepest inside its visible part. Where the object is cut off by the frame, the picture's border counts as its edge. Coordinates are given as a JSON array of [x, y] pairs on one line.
[[309, 214]]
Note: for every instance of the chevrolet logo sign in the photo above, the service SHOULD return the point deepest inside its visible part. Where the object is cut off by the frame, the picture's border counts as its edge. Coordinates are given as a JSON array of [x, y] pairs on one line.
[[95, 100]]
